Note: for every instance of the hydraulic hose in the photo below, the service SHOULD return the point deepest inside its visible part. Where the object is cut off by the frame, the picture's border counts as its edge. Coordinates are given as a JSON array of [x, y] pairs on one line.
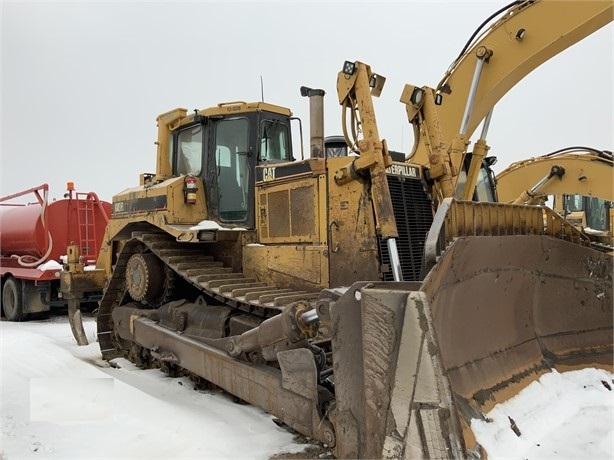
[[22, 259]]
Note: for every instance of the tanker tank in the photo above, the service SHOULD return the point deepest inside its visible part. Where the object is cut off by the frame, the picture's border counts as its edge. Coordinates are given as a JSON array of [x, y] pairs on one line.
[[34, 235]]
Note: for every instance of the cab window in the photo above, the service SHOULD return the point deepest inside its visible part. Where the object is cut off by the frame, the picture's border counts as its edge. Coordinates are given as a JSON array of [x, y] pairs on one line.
[[274, 142], [189, 151]]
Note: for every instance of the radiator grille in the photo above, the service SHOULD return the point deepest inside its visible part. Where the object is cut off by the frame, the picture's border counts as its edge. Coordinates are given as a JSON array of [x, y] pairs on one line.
[[414, 216]]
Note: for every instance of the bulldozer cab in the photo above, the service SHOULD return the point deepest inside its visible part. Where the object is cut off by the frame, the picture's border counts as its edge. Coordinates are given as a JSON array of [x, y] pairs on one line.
[[223, 150]]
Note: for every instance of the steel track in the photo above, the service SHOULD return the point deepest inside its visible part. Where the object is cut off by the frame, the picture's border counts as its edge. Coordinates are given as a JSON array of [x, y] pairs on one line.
[[210, 277]]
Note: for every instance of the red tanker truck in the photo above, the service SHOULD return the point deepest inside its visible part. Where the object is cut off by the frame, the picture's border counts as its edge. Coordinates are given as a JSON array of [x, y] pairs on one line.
[[33, 240]]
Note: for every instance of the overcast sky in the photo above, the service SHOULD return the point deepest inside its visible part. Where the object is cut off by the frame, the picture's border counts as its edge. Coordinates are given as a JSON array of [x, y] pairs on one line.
[[83, 82]]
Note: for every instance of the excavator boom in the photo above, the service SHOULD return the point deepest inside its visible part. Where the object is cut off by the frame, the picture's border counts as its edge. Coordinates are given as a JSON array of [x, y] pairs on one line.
[[511, 47], [491, 63], [577, 171]]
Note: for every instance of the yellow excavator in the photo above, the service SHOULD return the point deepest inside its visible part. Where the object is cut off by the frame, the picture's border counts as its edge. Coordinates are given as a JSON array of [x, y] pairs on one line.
[[580, 181], [354, 297]]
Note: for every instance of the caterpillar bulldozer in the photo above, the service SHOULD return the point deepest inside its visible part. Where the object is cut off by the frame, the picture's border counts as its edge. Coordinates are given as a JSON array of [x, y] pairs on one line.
[[355, 298], [579, 179]]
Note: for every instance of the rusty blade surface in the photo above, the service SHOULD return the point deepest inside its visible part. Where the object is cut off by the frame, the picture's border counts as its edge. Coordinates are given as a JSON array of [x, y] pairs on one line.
[[506, 309]]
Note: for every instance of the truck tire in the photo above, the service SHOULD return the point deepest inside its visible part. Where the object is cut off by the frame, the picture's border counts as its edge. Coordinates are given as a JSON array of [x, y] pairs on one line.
[[12, 300]]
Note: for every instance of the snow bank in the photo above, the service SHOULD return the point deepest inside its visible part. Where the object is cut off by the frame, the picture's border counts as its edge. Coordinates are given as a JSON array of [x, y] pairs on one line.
[[562, 415]]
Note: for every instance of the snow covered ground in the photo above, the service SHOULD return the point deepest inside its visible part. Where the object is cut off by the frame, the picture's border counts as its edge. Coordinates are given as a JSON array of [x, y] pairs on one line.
[[60, 401]]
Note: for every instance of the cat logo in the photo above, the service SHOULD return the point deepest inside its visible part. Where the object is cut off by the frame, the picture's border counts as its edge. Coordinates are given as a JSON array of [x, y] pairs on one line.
[[268, 174]]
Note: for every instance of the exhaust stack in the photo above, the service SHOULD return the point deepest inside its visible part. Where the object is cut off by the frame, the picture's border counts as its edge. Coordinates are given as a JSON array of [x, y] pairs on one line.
[[316, 120]]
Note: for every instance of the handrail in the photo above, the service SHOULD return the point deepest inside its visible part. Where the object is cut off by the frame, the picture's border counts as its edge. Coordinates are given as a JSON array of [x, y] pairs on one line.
[[44, 188]]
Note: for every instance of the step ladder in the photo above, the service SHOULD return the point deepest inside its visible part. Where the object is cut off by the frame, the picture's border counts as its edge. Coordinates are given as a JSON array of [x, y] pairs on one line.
[[87, 228]]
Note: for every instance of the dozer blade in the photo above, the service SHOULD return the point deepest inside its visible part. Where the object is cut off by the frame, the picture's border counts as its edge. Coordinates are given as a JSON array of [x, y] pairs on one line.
[[392, 397], [415, 363], [507, 309]]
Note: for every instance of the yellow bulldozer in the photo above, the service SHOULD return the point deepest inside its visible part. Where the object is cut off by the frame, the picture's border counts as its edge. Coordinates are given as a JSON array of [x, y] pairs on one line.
[[580, 182], [354, 297]]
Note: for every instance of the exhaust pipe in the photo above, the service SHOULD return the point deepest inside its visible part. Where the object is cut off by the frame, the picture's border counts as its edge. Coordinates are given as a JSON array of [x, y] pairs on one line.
[[316, 120]]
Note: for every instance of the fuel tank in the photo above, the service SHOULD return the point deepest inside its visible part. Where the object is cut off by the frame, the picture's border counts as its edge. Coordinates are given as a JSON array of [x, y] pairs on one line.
[[29, 230]]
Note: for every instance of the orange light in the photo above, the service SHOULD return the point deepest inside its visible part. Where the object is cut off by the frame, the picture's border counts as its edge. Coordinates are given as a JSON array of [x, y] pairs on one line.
[[70, 186]]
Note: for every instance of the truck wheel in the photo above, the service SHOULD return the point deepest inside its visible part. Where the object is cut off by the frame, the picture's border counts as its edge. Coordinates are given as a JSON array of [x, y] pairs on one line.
[[12, 300]]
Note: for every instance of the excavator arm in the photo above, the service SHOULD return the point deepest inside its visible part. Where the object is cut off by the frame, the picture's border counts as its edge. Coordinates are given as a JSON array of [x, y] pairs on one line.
[[497, 56], [581, 181]]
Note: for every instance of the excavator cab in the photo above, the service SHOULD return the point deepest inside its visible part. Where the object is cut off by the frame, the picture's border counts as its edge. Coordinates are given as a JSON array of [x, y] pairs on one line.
[[486, 184], [591, 212]]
